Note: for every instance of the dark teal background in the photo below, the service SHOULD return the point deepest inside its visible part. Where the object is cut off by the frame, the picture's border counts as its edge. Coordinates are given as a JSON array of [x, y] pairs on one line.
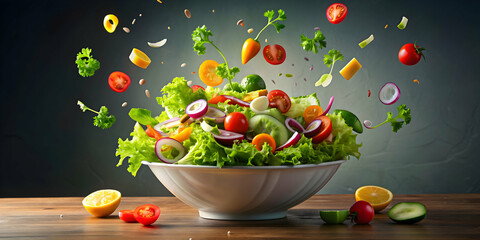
[[50, 148]]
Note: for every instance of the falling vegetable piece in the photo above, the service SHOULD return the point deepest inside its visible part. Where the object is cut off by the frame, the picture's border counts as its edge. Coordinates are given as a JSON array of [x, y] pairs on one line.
[[403, 113], [103, 120], [139, 58], [336, 13], [187, 13], [350, 69], [207, 73], [240, 22], [318, 42], [110, 22], [415, 80], [403, 24], [329, 60], [410, 54], [365, 42], [389, 93], [86, 64], [157, 44], [369, 93], [386, 26], [249, 50]]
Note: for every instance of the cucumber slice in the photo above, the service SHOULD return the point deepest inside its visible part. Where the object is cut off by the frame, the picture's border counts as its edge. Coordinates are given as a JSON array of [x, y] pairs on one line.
[[367, 41], [334, 216], [403, 24], [407, 212]]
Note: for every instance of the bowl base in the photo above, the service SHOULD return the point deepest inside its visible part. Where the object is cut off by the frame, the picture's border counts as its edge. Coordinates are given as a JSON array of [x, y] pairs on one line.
[[240, 216]]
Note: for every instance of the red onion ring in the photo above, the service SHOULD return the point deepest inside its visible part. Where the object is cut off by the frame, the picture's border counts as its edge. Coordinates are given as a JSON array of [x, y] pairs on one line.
[[215, 113], [227, 138], [389, 93], [313, 128], [172, 143], [158, 129], [293, 125], [328, 107], [237, 101], [291, 142], [368, 124], [197, 109]]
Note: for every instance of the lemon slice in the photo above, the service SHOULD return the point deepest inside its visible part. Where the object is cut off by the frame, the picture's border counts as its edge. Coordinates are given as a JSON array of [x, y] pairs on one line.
[[139, 58], [102, 202], [378, 197]]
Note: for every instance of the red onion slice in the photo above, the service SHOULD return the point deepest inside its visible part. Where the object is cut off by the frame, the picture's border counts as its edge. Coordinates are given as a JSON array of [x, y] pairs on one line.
[[237, 101], [389, 93], [368, 124], [170, 121], [171, 143], [215, 113], [291, 142], [227, 138], [313, 128], [197, 108], [328, 107], [293, 125]]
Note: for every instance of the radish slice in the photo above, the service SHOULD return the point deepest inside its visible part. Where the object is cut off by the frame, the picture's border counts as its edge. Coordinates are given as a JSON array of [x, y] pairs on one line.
[[215, 113], [171, 143], [313, 128], [227, 138], [368, 124], [291, 142], [168, 124], [328, 107], [389, 93], [197, 108], [293, 125], [259, 105]]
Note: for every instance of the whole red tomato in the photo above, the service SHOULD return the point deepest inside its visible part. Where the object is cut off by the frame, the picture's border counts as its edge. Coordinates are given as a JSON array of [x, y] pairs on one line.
[[236, 122], [410, 54], [362, 212]]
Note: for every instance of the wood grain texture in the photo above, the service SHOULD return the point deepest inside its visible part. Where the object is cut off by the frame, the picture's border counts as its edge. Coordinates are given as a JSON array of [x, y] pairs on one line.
[[449, 216]]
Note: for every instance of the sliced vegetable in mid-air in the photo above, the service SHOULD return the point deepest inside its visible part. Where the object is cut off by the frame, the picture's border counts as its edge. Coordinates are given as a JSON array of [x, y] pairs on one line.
[[336, 13], [403, 24], [119, 81], [403, 113], [329, 60], [103, 119], [139, 58], [367, 41], [207, 74], [389, 93], [274, 54], [86, 64], [318, 42], [110, 23], [157, 44], [350, 69]]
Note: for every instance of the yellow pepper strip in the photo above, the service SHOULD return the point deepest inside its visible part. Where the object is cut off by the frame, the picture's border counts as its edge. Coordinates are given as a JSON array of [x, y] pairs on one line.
[[139, 58], [350, 69], [110, 22], [183, 135]]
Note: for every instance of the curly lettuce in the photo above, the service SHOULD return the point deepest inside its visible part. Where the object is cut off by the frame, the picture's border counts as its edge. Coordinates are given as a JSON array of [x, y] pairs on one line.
[[177, 95]]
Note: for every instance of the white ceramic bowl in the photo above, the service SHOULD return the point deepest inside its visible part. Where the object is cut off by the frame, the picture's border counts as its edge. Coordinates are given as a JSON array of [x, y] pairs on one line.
[[243, 193]]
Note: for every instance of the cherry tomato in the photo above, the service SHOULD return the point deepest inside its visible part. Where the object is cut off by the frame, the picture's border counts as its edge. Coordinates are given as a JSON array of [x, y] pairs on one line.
[[119, 81], [410, 54], [274, 54], [196, 87], [280, 100], [336, 13], [146, 214], [325, 129], [363, 212], [127, 216], [236, 122]]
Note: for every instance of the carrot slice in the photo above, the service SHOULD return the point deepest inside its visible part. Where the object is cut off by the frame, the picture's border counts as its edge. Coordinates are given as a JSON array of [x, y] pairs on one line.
[[183, 135], [264, 138], [207, 73], [310, 113]]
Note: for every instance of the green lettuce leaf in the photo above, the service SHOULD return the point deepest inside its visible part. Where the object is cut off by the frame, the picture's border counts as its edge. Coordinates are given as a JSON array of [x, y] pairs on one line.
[[177, 95], [299, 104]]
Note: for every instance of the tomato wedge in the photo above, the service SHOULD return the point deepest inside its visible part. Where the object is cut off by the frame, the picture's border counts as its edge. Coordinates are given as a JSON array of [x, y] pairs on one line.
[[207, 73], [196, 87], [262, 138], [119, 81], [325, 129], [127, 216], [153, 133], [336, 13], [280, 100], [274, 54], [311, 112], [147, 214]]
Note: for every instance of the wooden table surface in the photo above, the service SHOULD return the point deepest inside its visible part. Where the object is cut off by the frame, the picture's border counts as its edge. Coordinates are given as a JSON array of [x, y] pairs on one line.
[[449, 216]]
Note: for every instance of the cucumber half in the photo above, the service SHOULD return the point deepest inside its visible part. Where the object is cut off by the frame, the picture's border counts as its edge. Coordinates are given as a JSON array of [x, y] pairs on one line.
[[407, 212], [334, 216]]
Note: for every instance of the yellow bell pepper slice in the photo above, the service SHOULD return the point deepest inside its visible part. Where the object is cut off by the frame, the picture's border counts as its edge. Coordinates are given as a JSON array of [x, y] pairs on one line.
[[110, 22], [183, 135], [350, 69], [139, 58]]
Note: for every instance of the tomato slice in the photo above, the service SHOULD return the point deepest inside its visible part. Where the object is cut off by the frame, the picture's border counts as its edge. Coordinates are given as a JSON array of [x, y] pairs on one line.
[[119, 81], [147, 214], [262, 138], [274, 54], [127, 216], [325, 129], [280, 100], [310, 113], [196, 87], [207, 73], [336, 13], [236, 122]]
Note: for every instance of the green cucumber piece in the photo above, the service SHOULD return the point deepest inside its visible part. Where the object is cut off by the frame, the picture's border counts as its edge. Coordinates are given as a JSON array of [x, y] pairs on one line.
[[334, 216], [407, 212], [261, 123], [365, 42], [403, 24]]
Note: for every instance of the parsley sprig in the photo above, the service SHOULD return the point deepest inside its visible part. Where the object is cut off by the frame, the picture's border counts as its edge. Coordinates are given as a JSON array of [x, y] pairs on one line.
[[310, 45], [86, 64], [103, 119], [200, 36], [329, 60], [275, 22], [403, 113]]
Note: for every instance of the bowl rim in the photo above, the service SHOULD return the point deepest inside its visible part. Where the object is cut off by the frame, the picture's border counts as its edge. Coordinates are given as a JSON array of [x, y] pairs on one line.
[[161, 164]]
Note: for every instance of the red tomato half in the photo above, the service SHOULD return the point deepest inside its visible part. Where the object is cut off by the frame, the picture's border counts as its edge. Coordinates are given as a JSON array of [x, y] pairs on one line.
[[363, 212], [336, 13], [196, 87], [280, 100], [325, 129], [119, 81], [236, 122], [127, 216], [147, 214], [410, 54], [274, 54]]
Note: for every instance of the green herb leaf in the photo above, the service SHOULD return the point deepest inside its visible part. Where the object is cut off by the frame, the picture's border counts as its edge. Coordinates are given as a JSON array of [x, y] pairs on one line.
[[143, 116], [86, 64], [222, 71], [310, 45], [278, 26], [281, 15], [103, 120], [332, 56], [269, 14], [200, 36], [403, 113]]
